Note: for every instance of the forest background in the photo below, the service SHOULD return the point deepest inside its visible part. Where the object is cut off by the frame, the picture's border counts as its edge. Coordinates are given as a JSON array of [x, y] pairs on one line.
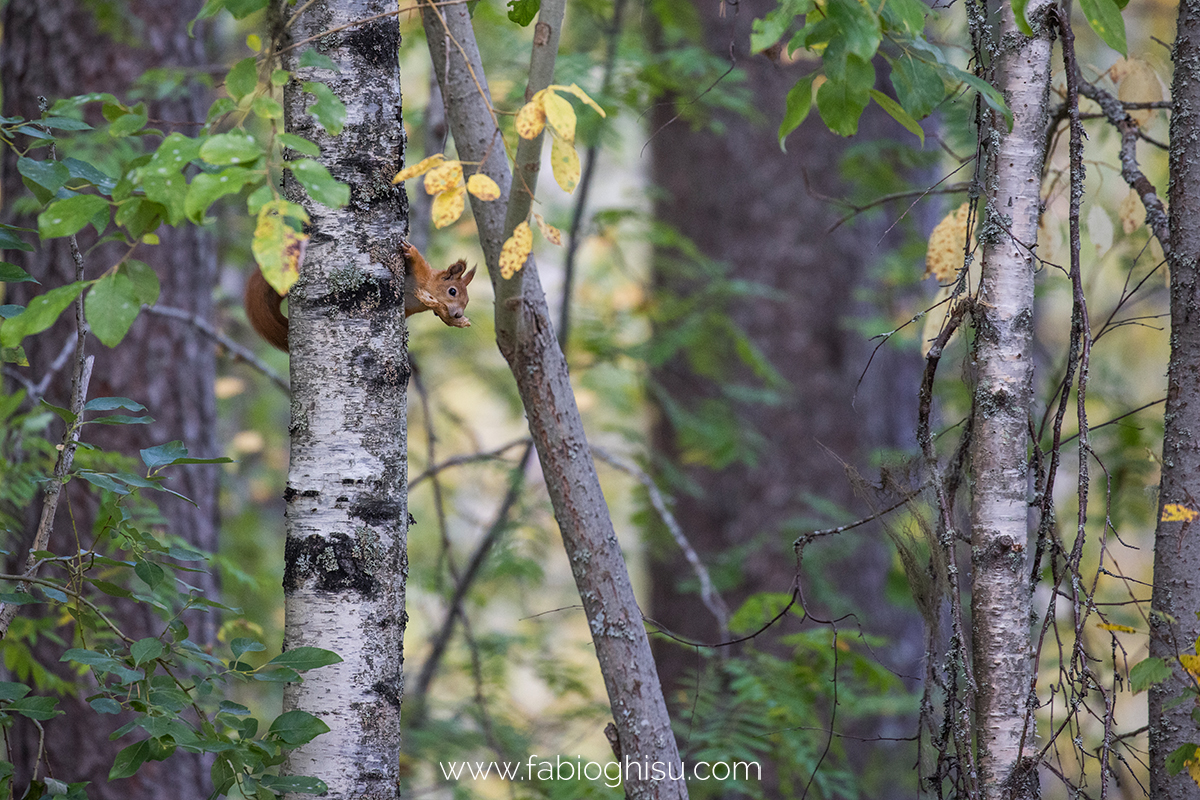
[[749, 325]]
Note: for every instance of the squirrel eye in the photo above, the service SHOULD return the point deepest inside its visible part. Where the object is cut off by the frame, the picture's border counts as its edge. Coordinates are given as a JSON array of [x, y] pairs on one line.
[[453, 292]]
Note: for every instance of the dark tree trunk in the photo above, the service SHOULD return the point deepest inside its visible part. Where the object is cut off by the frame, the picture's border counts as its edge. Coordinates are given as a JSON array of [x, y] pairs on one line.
[[765, 213], [55, 49], [1176, 594]]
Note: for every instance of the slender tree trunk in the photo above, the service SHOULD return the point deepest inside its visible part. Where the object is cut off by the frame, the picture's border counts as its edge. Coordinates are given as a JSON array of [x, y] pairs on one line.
[[347, 503], [525, 336], [1000, 580], [1176, 594], [56, 49]]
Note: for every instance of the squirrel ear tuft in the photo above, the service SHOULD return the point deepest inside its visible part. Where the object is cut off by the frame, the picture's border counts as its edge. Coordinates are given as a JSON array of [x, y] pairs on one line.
[[469, 276], [454, 270]]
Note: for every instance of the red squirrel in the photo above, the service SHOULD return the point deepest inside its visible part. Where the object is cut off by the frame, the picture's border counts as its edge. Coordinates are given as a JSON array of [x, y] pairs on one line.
[[444, 292]]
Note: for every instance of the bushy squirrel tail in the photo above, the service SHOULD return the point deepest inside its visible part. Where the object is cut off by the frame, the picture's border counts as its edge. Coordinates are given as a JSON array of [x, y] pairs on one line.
[[263, 309]]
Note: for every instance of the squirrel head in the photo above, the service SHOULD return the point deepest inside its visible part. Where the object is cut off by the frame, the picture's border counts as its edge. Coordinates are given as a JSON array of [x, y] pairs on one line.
[[446, 294]]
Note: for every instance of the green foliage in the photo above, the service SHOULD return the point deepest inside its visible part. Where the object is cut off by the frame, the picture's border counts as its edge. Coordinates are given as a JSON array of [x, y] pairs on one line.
[[170, 686]]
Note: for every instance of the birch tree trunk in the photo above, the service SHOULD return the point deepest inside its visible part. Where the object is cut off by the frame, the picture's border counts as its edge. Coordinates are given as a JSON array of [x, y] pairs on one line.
[[1000, 582], [1176, 594], [525, 336], [347, 503]]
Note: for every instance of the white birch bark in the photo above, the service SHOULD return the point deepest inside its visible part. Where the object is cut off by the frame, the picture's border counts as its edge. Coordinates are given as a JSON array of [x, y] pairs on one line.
[[525, 336], [1000, 580], [346, 495], [1176, 595]]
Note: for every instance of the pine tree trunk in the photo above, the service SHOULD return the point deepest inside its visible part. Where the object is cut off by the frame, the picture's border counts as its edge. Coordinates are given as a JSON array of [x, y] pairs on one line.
[[347, 503], [1176, 594], [56, 49]]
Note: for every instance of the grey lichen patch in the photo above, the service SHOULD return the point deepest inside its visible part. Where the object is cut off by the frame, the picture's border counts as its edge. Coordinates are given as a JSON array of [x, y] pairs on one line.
[[336, 564]]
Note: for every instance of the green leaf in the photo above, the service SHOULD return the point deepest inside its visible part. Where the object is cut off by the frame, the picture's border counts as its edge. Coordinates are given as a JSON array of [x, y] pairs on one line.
[[244, 8], [44, 178], [82, 170], [163, 455], [39, 708], [321, 186], [66, 124], [898, 113], [242, 645], [147, 649], [1105, 18], [150, 573], [1018, 8], [9, 241], [140, 215], [297, 727], [11, 273], [860, 27], [105, 705], [65, 217], [299, 144], [799, 103], [145, 282], [990, 94], [842, 102], [1178, 759], [919, 87], [329, 111], [243, 78], [40, 314], [112, 404], [111, 306], [1147, 673], [231, 148], [770, 29], [12, 691], [523, 12], [306, 658], [905, 17], [267, 108], [206, 188], [130, 760], [313, 58], [128, 122]]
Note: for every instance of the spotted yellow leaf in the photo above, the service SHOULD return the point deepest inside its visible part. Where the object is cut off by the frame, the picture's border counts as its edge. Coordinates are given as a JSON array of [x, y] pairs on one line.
[[552, 234], [944, 257], [516, 250], [420, 168], [1131, 212], [1137, 82], [277, 246], [448, 207], [447, 176], [483, 187], [582, 95], [1193, 768], [531, 119], [564, 162], [1174, 512], [561, 116], [1109, 626], [1191, 663]]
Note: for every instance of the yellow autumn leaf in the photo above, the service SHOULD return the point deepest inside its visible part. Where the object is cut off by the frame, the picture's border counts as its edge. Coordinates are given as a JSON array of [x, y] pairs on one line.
[[1131, 212], [1193, 768], [944, 256], [448, 207], [1174, 512], [561, 116], [483, 187], [420, 168], [531, 119], [552, 234], [516, 250], [564, 162], [582, 95], [1137, 82], [277, 246], [447, 176], [1109, 626]]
